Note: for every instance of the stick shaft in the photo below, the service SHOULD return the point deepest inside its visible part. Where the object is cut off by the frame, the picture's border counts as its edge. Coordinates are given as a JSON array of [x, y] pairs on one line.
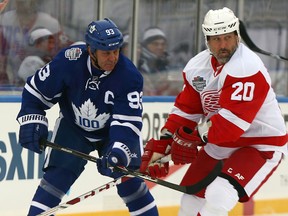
[[119, 169], [70, 151], [82, 197], [191, 189], [253, 47]]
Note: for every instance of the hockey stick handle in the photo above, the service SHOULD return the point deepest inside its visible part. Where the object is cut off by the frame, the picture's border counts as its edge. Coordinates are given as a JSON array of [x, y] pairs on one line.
[[246, 38], [81, 197], [44, 143], [164, 159], [94, 159], [191, 189]]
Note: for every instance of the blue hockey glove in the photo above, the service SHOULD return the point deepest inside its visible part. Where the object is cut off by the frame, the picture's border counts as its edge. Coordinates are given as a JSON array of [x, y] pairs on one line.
[[104, 168], [33, 127], [119, 155]]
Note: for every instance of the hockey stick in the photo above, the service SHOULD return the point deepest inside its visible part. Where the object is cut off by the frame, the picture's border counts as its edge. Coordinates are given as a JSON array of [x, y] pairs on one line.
[[253, 47], [191, 189], [81, 197]]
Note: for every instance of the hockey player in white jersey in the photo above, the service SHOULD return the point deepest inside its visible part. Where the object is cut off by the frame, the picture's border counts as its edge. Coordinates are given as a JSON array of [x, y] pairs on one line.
[[99, 92], [229, 111]]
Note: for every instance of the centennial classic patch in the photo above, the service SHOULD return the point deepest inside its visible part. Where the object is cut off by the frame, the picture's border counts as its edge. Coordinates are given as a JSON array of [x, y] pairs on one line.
[[199, 83], [73, 53]]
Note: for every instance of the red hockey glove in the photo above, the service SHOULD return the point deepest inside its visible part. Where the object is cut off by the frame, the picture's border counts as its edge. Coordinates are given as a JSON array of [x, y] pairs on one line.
[[153, 152], [184, 146]]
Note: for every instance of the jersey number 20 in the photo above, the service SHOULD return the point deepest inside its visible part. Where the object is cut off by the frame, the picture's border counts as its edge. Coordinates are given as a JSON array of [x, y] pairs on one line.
[[243, 91]]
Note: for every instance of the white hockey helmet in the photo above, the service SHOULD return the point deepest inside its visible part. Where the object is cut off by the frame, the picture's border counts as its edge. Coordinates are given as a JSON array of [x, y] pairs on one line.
[[222, 21]]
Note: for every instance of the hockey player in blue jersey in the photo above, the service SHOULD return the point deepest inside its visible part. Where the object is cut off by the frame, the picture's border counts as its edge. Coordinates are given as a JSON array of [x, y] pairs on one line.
[[99, 92]]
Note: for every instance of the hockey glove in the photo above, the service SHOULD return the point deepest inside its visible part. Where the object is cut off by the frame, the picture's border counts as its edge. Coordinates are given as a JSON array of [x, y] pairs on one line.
[[153, 152], [119, 155], [184, 147], [33, 127]]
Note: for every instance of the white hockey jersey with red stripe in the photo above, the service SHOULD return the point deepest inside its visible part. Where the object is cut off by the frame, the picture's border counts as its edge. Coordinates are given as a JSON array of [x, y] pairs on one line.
[[238, 99]]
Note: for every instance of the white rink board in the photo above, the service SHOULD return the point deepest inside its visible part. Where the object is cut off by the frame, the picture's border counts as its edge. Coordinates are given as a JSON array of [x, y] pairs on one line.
[[19, 175]]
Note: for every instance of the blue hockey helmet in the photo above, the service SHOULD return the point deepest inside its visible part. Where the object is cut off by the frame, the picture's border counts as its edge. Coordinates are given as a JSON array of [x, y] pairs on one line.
[[103, 35]]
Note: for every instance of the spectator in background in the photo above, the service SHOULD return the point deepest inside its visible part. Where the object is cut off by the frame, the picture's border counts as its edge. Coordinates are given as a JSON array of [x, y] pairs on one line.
[[16, 26], [154, 65], [180, 55], [154, 56], [43, 42], [125, 47]]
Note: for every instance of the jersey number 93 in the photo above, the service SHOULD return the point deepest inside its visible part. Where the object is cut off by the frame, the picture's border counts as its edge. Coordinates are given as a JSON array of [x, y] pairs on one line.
[[135, 99]]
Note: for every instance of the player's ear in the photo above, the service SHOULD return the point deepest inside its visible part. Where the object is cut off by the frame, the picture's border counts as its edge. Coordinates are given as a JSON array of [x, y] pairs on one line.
[[88, 49]]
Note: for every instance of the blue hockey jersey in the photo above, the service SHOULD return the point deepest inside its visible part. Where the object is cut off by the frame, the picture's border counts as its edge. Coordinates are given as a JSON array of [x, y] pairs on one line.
[[101, 105]]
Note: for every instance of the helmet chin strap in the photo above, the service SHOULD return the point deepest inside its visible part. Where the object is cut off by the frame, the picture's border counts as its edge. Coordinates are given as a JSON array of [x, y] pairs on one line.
[[94, 60]]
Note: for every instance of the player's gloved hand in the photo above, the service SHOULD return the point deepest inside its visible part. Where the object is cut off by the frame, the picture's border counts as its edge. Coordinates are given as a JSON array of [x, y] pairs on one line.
[[203, 129], [104, 168], [153, 152], [184, 146], [33, 128], [119, 155]]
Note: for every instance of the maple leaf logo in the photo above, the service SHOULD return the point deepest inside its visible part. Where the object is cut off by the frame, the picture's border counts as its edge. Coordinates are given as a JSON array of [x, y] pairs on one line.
[[86, 116]]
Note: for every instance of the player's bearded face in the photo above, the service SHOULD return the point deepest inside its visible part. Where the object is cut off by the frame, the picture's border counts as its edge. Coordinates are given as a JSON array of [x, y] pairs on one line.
[[106, 60], [223, 46]]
